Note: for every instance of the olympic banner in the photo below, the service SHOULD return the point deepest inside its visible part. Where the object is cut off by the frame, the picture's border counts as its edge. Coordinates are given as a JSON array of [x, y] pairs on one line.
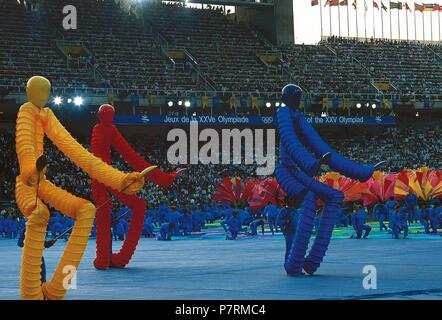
[[251, 120]]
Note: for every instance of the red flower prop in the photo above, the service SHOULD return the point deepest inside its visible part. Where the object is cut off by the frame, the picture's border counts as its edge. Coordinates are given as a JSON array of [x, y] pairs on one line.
[[234, 191], [266, 192], [423, 182], [380, 187]]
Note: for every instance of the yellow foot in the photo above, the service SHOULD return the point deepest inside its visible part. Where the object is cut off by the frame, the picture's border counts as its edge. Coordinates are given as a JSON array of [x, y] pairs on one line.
[[44, 290]]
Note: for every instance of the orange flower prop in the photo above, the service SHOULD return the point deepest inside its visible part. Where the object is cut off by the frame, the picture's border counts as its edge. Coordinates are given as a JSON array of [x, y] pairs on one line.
[[423, 182], [380, 187], [351, 188]]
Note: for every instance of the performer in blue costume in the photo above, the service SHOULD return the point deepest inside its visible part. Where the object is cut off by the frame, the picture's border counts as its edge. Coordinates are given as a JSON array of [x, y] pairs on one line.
[[287, 221], [380, 211], [232, 226], [398, 222], [172, 217], [166, 231], [148, 226], [342, 220], [254, 226], [271, 213], [425, 217], [358, 222], [435, 218], [185, 221], [411, 201], [295, 175]]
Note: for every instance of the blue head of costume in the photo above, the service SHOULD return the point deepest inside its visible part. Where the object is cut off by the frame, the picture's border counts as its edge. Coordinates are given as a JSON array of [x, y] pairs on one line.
[[291, 96]]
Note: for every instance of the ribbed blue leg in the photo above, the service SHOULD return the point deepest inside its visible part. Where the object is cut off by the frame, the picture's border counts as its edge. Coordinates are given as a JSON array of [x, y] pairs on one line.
[[287, 181], [333, 200], [295, 259], [325, 230]]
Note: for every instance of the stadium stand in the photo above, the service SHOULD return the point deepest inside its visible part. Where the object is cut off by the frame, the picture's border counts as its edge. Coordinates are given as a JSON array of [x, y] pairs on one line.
[[125, 53], [122, 51], [412, 68], [228, 50], [322, 71], [27, 48]]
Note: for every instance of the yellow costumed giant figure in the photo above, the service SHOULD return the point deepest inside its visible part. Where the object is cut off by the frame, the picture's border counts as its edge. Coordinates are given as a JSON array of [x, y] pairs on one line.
[[32, 189]]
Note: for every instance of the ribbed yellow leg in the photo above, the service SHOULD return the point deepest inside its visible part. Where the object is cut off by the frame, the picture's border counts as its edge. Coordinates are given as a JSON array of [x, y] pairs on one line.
[[30, 275], [79, 209], [83, 212]]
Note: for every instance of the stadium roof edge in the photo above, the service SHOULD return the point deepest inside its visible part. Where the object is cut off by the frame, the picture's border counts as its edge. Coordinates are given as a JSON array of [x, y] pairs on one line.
[[243, 3]]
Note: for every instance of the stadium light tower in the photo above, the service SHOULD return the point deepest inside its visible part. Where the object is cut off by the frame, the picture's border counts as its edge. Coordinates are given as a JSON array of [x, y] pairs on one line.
[[170, 103], [58, 100], [373, 106], [78, 101], [180, 103], [358, 105], [187, 104], [268, 104]]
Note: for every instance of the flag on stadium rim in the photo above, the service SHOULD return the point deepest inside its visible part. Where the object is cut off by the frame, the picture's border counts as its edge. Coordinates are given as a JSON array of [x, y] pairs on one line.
[[407, 7], [315, 3], [343, 3], [332, 3], [375, 5], [384, 7], [431, 7], [354, 4], [418, 7], [395, 5]]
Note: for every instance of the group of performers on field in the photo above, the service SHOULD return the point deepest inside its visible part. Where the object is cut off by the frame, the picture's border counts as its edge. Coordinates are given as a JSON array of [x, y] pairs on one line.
[[190, 219], [35, 194], [170, 221]]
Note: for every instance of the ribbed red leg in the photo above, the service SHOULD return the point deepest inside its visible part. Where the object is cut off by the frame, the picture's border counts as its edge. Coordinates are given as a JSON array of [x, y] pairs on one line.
[[138, 208], [103, 226]]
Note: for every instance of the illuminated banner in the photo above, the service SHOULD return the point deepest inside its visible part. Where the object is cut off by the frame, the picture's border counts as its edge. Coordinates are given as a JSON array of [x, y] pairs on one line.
[[250, 120]]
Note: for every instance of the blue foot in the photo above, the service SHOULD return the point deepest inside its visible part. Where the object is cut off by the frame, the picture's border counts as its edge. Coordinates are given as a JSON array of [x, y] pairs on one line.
[[309, 267]]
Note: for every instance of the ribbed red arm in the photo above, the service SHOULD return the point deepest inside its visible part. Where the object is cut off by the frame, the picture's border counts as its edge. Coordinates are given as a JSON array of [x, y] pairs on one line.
[[137, 162]]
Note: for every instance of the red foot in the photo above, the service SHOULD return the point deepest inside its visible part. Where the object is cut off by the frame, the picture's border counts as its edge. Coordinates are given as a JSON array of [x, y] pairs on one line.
[[117, 261], [101, 264]]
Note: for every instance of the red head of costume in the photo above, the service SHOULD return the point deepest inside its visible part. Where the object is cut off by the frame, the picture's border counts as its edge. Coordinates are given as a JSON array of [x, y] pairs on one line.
[[106, 114]]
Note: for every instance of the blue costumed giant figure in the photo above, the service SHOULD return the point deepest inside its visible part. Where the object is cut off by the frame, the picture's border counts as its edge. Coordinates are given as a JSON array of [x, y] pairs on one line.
[[295, 175]]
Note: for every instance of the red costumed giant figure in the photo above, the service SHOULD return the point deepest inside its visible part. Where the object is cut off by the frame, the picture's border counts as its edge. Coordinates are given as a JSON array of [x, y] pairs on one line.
[[104, 136]]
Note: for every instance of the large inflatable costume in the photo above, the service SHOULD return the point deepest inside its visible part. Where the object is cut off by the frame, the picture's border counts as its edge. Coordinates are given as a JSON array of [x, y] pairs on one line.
[[34, 120], [295, 176], [104, 136]]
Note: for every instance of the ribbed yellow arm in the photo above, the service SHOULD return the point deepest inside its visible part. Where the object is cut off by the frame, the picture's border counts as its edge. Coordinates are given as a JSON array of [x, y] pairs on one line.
[[93, 166], [26, 147]]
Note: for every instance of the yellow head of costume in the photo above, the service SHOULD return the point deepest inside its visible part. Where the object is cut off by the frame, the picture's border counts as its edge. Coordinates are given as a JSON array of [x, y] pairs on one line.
[[38, 90]]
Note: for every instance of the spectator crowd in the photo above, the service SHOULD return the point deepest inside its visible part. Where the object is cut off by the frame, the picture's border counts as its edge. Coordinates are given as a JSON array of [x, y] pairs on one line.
[[403, 147]]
